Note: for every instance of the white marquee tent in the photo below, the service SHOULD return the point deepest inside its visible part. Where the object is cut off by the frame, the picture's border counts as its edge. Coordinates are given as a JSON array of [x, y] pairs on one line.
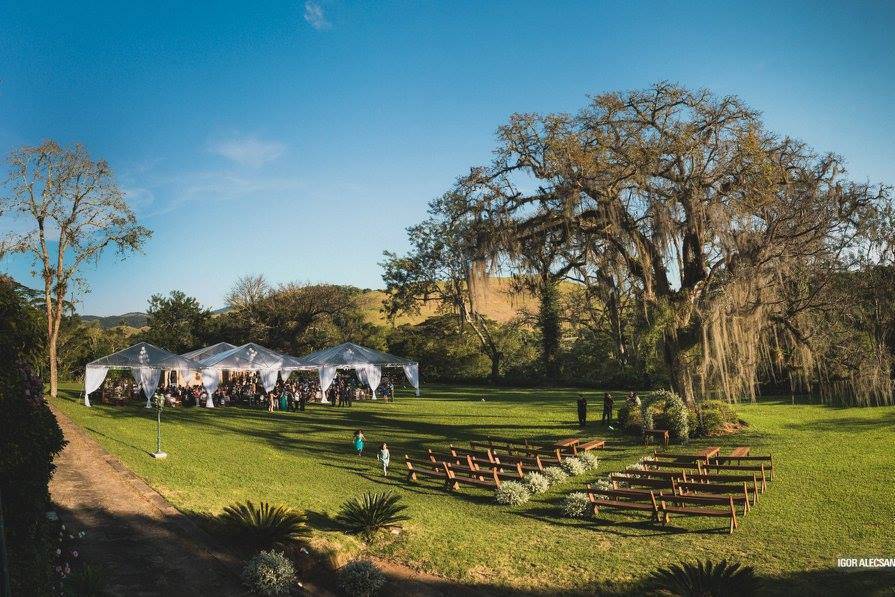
[[368, 364], [146, 363], [248, 357], [209, 351]]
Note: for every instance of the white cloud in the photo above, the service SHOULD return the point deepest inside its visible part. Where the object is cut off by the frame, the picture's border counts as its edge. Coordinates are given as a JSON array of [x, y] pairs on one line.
[[315, 16], [139, 198], [248, 151]]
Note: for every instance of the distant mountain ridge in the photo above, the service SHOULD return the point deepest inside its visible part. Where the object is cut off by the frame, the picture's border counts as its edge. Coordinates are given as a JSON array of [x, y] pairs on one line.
[[135, 319]]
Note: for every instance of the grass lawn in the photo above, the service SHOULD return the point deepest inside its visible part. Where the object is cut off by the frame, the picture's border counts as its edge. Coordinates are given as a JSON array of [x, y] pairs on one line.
[[833, 493]]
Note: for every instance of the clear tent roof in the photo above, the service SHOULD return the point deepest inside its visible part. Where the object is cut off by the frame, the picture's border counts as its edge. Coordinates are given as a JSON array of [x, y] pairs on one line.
[[144, 354], [350, 354], [249, 356], [208, 351]]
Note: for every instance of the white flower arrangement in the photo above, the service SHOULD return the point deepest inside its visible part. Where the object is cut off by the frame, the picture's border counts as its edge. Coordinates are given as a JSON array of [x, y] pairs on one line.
[[576, 505], [536, 483], [573, 466], [590, 460], [512, 493], [555, 475]]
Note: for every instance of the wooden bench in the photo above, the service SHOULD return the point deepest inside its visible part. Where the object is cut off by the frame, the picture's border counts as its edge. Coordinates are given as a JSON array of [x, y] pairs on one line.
[[546, 459], [706, 483], [715, 494], [619, 479], [740, 451], [717, 468], [593, 444], [716, 491], [690, 505], [661, 434], [528, 463], [623, 499], [418, 467], [568, 444], [677, 457], [680, 464], [767, 460], [707, 453]]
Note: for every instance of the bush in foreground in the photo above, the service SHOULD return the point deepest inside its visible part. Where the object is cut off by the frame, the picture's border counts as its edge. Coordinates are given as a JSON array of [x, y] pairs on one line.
[[707, 579], [361, 578], [263, 526], [269, 573], [576, 505], [590, 460], [536, 483], [372, 512], [29, 439], [555, 475], [572, 466], [512, 493]]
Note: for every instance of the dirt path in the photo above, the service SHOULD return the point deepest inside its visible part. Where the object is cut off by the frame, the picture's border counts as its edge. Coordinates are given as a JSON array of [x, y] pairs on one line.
[[145, 546]]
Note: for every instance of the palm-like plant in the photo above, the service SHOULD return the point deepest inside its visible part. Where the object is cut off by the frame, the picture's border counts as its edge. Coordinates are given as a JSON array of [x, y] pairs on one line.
[[371, 512], [263, 526], [707, 579]]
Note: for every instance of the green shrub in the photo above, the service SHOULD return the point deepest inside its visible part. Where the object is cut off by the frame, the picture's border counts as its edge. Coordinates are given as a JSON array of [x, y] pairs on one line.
[[572, 466], [634, 421], [536, 483], [716, 415], [555, 475], [29, 439], [706, 579], [512, 493], [372, 512], [576, 505], [269, 573], [361, 578], [263, 526]]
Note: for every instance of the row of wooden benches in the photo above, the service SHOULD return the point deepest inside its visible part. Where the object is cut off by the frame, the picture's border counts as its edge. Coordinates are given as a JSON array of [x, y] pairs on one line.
[[662, 505], [487, 464], [528, 448], [700, 485]]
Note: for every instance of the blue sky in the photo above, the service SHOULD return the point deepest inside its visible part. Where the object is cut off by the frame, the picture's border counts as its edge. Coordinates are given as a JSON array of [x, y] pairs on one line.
[[299, 139]]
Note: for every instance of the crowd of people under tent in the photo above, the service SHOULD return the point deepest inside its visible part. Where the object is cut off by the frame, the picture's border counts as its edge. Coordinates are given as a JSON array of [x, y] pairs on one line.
[[245, 389]]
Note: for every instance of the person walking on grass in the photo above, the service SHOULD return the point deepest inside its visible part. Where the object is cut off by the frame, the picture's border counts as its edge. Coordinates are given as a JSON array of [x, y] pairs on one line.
[[607, 408], [359, 440], [384, 457], [582, 410]]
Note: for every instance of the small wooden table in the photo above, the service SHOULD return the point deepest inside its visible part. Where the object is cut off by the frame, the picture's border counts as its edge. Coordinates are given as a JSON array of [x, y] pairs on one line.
[[571, 442], [661, 434], [740, 451], [709, 452]]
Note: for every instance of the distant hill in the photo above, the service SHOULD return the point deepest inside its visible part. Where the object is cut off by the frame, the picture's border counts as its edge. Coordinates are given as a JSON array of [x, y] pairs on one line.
[[497, 302], [134, 319]]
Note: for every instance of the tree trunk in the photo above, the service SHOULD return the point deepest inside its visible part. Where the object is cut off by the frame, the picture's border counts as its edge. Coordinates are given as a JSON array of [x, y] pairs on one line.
[[548, 320], [678, 369], [495, 364], [52, 337]]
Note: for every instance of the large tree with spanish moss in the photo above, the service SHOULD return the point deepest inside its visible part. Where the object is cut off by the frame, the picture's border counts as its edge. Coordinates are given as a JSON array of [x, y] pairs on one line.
[[728, 233]]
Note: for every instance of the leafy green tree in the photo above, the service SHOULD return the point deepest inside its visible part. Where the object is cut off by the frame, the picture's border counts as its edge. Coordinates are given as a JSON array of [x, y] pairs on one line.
[[177, 322], [75, 211], [445, 267]]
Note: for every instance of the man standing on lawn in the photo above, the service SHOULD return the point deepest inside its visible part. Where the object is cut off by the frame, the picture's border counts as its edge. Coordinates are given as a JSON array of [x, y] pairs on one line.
[[607, 408], [582, 410]]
